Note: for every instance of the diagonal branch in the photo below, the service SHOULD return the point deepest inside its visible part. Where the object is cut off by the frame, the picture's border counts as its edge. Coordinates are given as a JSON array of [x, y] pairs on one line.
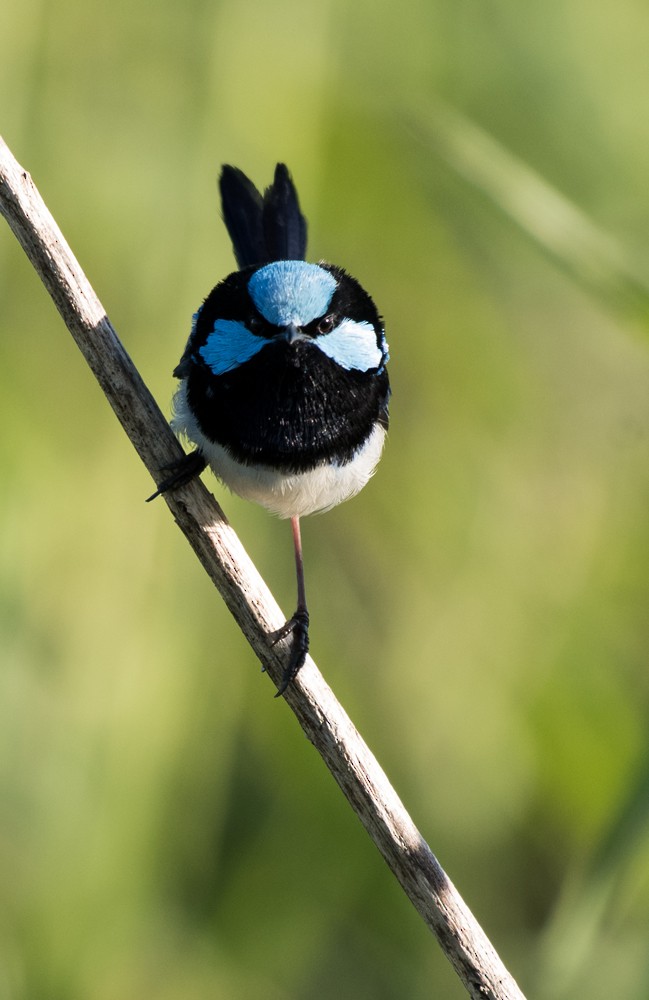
[[219, 550]]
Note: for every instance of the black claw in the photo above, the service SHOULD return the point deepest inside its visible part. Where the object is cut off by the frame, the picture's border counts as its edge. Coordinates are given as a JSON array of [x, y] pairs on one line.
[[298, 626], [181, 473]]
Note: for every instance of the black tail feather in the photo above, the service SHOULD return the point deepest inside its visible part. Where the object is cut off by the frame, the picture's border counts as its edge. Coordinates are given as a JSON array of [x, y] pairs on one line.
[[262, 229], [284, 224], [242, 213]]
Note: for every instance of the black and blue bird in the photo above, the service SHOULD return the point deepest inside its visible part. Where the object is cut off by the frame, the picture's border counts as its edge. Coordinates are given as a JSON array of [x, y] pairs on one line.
[[283, 383]]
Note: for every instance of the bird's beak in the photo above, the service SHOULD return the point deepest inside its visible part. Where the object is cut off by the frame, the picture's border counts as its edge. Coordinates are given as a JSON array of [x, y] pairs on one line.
[[292, 333]]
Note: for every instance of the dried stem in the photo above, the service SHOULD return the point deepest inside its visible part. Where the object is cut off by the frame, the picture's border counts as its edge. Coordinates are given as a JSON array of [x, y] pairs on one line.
[[198, 515]]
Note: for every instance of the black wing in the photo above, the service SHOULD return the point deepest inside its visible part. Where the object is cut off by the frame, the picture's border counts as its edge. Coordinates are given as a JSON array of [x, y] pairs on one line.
[[262, 229]]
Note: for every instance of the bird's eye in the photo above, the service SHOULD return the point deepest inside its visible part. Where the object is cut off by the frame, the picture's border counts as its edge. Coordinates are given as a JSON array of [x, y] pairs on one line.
[[326, 324], [254, 324]]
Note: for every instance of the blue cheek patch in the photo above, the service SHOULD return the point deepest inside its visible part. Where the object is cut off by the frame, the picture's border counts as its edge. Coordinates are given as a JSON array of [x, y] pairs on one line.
[[229, 345], [352, 345], [291, 291]]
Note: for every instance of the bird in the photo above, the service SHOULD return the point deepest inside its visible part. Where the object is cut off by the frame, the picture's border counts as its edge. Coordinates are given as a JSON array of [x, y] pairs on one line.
[[283, 388]]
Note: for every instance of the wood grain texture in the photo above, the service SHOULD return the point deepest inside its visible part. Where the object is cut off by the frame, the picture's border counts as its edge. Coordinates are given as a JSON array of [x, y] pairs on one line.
[[217, 547]]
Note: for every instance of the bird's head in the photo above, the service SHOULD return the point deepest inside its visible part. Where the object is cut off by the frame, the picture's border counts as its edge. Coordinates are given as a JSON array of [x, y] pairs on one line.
[[290, 306], [278, 301]]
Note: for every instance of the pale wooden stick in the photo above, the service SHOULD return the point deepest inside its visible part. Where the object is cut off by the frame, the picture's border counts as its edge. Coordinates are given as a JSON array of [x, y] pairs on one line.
[[324, 721]]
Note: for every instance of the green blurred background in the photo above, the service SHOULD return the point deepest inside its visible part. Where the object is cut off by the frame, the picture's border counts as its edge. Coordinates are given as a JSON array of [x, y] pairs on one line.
[[481, 609]]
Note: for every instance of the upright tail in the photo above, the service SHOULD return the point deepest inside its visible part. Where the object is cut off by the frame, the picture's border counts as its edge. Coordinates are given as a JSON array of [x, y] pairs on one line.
[[262, 228]]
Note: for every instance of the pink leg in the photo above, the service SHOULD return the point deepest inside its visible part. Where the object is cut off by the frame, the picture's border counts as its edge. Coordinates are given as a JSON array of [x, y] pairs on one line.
[[299, 564], [298, 625]]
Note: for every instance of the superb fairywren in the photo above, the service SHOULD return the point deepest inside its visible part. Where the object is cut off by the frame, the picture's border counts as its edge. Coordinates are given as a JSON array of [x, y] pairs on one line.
[[283, 387]]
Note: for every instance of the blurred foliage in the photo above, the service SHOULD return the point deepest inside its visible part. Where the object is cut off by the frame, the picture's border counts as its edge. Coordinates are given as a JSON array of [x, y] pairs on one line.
[[165, 830]]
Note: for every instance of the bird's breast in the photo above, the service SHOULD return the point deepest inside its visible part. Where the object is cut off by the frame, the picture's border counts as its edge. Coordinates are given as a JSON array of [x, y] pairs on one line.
[[290, 407]]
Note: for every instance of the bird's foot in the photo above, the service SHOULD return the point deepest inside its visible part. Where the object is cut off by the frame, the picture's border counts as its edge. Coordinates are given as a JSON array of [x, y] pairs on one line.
[[298, 626], [180, 473]]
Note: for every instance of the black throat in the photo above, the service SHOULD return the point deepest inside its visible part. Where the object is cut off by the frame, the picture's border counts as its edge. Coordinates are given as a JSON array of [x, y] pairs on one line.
[[290, 407]]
